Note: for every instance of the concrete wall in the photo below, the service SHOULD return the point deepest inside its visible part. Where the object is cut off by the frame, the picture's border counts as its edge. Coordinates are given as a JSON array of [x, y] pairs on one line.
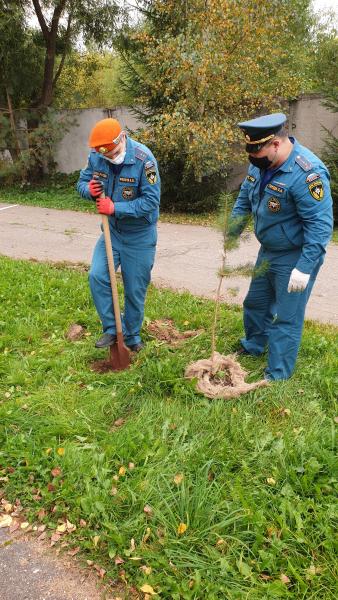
[[307, 116], [72, 152]]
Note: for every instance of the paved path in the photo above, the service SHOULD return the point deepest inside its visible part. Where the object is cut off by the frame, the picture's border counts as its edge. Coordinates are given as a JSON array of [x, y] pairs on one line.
[[30, 571], [188, 256]]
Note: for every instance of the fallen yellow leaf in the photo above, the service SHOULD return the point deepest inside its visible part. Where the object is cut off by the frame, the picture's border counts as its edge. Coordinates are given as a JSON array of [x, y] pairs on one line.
[[181, 528], [96, 540], [61, 528], [271, 481], [146, 535], [70, 526], [146, 570], [5, 521], [122, 471], [147, 589], [178, 478], [60, 451]]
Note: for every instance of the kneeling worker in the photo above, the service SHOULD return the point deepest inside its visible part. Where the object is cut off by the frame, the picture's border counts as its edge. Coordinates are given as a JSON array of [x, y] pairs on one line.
[[126, 172], [288, 192]]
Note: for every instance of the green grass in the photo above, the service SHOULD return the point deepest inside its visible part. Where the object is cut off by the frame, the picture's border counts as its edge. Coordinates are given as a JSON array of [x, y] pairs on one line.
[[60, 193], [242, 532], [335, 235]]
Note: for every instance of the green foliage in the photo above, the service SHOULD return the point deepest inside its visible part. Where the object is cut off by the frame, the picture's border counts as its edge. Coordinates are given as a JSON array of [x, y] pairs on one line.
[[199, 68], [37, 144], [330, 90], [325, 60], [21, 58], [91, 79], [258, 491], [330, 157], [31, 63]]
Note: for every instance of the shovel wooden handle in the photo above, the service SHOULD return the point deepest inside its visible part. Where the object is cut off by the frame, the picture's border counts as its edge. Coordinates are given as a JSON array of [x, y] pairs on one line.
[[112, 274]]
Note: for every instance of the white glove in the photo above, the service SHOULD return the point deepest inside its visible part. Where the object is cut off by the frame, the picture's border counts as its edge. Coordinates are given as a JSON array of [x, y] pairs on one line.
[[298, 281]]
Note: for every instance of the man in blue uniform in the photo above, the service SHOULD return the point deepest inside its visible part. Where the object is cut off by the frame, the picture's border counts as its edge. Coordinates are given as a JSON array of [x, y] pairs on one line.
[[127, 173], [288, 193]]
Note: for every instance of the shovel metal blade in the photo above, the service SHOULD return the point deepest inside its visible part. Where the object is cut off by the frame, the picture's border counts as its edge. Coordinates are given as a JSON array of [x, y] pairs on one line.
[[119, 355]]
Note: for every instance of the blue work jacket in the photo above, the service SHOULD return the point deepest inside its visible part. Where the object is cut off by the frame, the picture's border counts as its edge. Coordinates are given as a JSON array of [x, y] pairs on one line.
[[294, 208], [135, 190]]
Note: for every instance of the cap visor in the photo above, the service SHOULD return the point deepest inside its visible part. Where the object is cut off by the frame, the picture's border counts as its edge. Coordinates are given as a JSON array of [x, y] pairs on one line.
[[253, 148]]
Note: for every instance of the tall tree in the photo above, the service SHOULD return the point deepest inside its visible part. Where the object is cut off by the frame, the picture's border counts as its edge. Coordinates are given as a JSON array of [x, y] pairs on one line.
[[33, 60], [201, 66], [61, 23]]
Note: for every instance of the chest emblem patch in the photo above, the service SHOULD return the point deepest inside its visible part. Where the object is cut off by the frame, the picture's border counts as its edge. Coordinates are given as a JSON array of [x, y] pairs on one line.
[[275, 188], [274, 205], [316, 190], [251, 178], [100, 174], [128, 193]]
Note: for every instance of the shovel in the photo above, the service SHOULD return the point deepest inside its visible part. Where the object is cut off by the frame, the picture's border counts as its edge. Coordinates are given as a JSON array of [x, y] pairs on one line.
[[119, 353]]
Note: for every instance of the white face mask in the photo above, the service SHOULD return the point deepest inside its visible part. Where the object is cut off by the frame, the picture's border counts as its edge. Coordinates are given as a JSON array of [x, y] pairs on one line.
[[118, 160]]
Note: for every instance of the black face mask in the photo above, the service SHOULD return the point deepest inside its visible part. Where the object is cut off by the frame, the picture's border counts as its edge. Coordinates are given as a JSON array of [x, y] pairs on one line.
[[262, 163]]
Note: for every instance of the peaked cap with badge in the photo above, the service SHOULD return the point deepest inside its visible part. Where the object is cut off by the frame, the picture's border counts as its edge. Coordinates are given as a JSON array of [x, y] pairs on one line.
[[261, 130]]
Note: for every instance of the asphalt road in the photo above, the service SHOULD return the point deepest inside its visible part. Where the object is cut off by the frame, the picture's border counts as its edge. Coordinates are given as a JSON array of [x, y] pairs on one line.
[[29, 570], [188, 256]]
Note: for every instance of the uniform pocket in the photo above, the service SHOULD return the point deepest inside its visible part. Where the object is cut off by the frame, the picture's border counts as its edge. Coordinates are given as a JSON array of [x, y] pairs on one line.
[[294, 234]]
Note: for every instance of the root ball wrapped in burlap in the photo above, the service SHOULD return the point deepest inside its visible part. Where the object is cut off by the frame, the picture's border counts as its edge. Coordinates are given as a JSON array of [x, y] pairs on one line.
[[221, 377]]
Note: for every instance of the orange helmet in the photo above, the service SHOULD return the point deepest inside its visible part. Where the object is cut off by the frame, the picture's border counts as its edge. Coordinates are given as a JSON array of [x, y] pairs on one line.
[[105, 135]]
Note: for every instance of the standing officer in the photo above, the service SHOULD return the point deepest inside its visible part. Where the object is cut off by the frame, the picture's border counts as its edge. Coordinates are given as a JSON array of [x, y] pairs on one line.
[[126, 171], [288, 193]]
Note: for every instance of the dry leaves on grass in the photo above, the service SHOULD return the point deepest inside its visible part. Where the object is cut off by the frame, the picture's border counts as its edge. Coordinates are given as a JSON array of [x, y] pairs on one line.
[[5, 520], [75, 332], [147, 589], [165, 331]]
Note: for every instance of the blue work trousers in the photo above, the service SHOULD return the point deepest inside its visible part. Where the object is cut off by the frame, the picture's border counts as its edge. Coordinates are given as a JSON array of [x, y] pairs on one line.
[[133, 250], [274, 317]]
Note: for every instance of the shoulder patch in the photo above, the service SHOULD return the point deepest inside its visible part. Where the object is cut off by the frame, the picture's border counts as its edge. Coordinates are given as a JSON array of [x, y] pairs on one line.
[[251, 178], [316, 190], [149, 164], [312, 177], [140, 154], [304, 163], [150, 172]]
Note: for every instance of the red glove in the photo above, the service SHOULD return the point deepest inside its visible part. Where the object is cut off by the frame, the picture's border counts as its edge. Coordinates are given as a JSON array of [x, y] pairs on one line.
[[95, 188], [105, 206]]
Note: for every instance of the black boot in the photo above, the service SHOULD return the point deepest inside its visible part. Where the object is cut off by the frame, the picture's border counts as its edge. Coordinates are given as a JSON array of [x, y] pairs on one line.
[[136, 347], [107, 339]]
